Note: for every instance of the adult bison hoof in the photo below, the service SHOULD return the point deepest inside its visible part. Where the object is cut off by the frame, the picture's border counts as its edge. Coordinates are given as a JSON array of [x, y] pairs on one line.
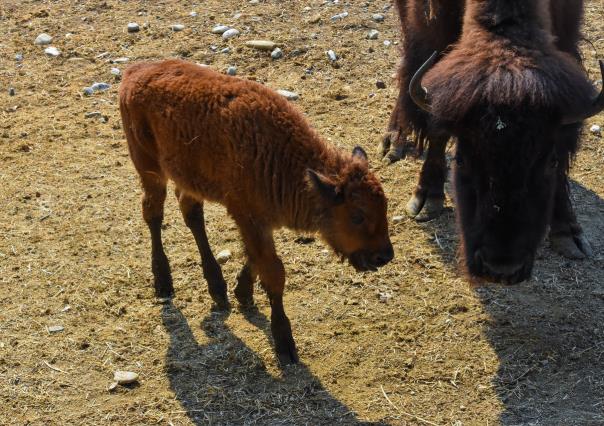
[[571, 246], [424, 208], [393, 148]]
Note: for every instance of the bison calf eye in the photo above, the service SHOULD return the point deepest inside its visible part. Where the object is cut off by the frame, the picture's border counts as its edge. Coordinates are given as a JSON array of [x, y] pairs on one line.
[[357, 217]]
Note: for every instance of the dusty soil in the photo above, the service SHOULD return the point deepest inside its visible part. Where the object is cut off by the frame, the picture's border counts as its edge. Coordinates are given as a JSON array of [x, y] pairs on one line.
[[74, 250]]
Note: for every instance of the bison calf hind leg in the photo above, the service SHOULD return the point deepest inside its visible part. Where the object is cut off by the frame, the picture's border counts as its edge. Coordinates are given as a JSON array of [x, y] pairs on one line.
[[244, 291], [153, 213], [192, 212]]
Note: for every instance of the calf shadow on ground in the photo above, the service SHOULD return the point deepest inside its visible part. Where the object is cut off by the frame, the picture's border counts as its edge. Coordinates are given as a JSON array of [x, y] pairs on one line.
[[224, 382], [548, 333]]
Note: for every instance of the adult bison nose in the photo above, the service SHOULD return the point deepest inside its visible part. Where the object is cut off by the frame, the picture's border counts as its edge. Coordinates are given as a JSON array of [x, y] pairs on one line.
[[383, 257], [505, 269]]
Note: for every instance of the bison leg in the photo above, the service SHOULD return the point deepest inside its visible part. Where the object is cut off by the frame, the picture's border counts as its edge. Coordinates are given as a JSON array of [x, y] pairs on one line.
[[261, 252], [244, 291], [395, 145], [153, 212], [566, 235], [428, 199], [192, 212]]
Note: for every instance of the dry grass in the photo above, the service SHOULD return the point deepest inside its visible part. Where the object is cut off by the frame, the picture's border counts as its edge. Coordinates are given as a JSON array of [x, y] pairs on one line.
[[74, 252]]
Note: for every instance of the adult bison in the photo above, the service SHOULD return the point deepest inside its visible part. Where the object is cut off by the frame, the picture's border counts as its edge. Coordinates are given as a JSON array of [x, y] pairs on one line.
[[507, 84], [237, 143]]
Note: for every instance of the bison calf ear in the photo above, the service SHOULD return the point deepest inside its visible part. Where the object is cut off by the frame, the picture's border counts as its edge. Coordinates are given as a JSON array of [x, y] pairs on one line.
[[359, 153], [325, 187]]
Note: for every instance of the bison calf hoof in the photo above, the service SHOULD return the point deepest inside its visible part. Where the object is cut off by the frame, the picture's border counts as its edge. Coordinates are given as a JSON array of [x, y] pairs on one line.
[[285, 347], [424, 208], [571, 246]]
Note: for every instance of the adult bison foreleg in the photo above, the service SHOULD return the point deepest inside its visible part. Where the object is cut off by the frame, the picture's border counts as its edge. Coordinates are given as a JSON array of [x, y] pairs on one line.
[[192, 212], [264, 260], [428, 199], [154, 195], [566, 235]]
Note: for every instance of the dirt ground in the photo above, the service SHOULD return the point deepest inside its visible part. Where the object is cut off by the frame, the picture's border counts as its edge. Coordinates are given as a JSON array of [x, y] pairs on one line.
[[74, 250]]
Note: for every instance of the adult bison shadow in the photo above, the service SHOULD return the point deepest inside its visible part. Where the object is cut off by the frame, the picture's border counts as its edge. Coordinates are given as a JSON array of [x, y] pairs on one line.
[[548, 333], [225, 382]]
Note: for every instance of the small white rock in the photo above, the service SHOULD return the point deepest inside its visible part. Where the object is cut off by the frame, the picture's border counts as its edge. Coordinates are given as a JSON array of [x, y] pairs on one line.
[[373, 34], [339, 16], [377, 17], [125, 377], [115, 71], [254, 1], [43, 39], [52, 51], [290, 96], [277, 53], [595, 129], [384, 297], [220, 29], [387, 43], [224, 256], [226, 50], [133, 27], [193, 14], [177, 27], [232, 70], [112, 386], [122, 60], [398, 219], [55, 328], [228, 34], [332, 55], [261, 44]]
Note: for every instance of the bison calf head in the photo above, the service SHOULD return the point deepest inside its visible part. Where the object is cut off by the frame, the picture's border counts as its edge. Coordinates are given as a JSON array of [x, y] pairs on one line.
[[515, 119], [353, 218]]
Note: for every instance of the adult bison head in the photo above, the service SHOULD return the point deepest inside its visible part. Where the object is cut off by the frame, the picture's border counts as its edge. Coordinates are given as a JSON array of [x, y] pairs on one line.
[[515, 117], [353, 217]]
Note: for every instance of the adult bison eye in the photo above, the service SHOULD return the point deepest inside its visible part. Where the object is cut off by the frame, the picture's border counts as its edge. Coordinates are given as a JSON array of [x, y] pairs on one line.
[[357, 217]]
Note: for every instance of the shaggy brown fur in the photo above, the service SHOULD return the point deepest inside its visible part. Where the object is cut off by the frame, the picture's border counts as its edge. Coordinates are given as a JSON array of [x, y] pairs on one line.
[[240, 144], [505, 88]]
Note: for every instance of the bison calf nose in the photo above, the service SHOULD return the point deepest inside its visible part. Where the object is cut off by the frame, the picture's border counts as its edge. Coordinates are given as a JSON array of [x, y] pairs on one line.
[[383, 257]]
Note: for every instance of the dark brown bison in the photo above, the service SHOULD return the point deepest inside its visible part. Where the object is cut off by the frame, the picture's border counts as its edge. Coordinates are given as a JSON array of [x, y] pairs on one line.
[[510, 89], [235, 142]]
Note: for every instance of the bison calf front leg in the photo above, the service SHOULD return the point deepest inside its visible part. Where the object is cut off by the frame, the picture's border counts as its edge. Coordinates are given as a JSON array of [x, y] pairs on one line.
[[265, 262]]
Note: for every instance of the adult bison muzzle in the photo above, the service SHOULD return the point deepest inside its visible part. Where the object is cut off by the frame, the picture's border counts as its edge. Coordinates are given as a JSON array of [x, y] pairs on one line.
[[512, 93]]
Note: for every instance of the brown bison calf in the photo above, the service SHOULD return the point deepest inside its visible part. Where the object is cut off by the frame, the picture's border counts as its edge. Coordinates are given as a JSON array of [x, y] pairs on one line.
[[240, 144]]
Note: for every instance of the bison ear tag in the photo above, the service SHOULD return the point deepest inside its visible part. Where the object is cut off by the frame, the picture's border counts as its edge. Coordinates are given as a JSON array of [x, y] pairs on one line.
[[500, 125]]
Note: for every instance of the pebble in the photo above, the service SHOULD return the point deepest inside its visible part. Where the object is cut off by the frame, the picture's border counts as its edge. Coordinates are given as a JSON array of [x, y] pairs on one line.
[[377, 17], [133, 27], [115, 71], [380, 84], [398, 219], [254, 1], [290, 96], [122, 60], [226, 50], [387, 43], [232, 70], [595, 129], [55, 328], [19, 57], [339, 16], [224, 256], [230, 33], [220, 29], [11, 91], [277, 53], [373, 34], [125, 377], [261, 44], [314, 19], [193, 14], [88, 91], [43, 39], [177, 27], [112, 386], [332, 55], [100, 86], [384, 297], [52, 51], [93, 114]]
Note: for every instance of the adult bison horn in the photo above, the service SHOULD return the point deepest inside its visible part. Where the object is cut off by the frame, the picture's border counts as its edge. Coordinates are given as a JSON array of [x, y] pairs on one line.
[[418, 93], [595, 106]]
